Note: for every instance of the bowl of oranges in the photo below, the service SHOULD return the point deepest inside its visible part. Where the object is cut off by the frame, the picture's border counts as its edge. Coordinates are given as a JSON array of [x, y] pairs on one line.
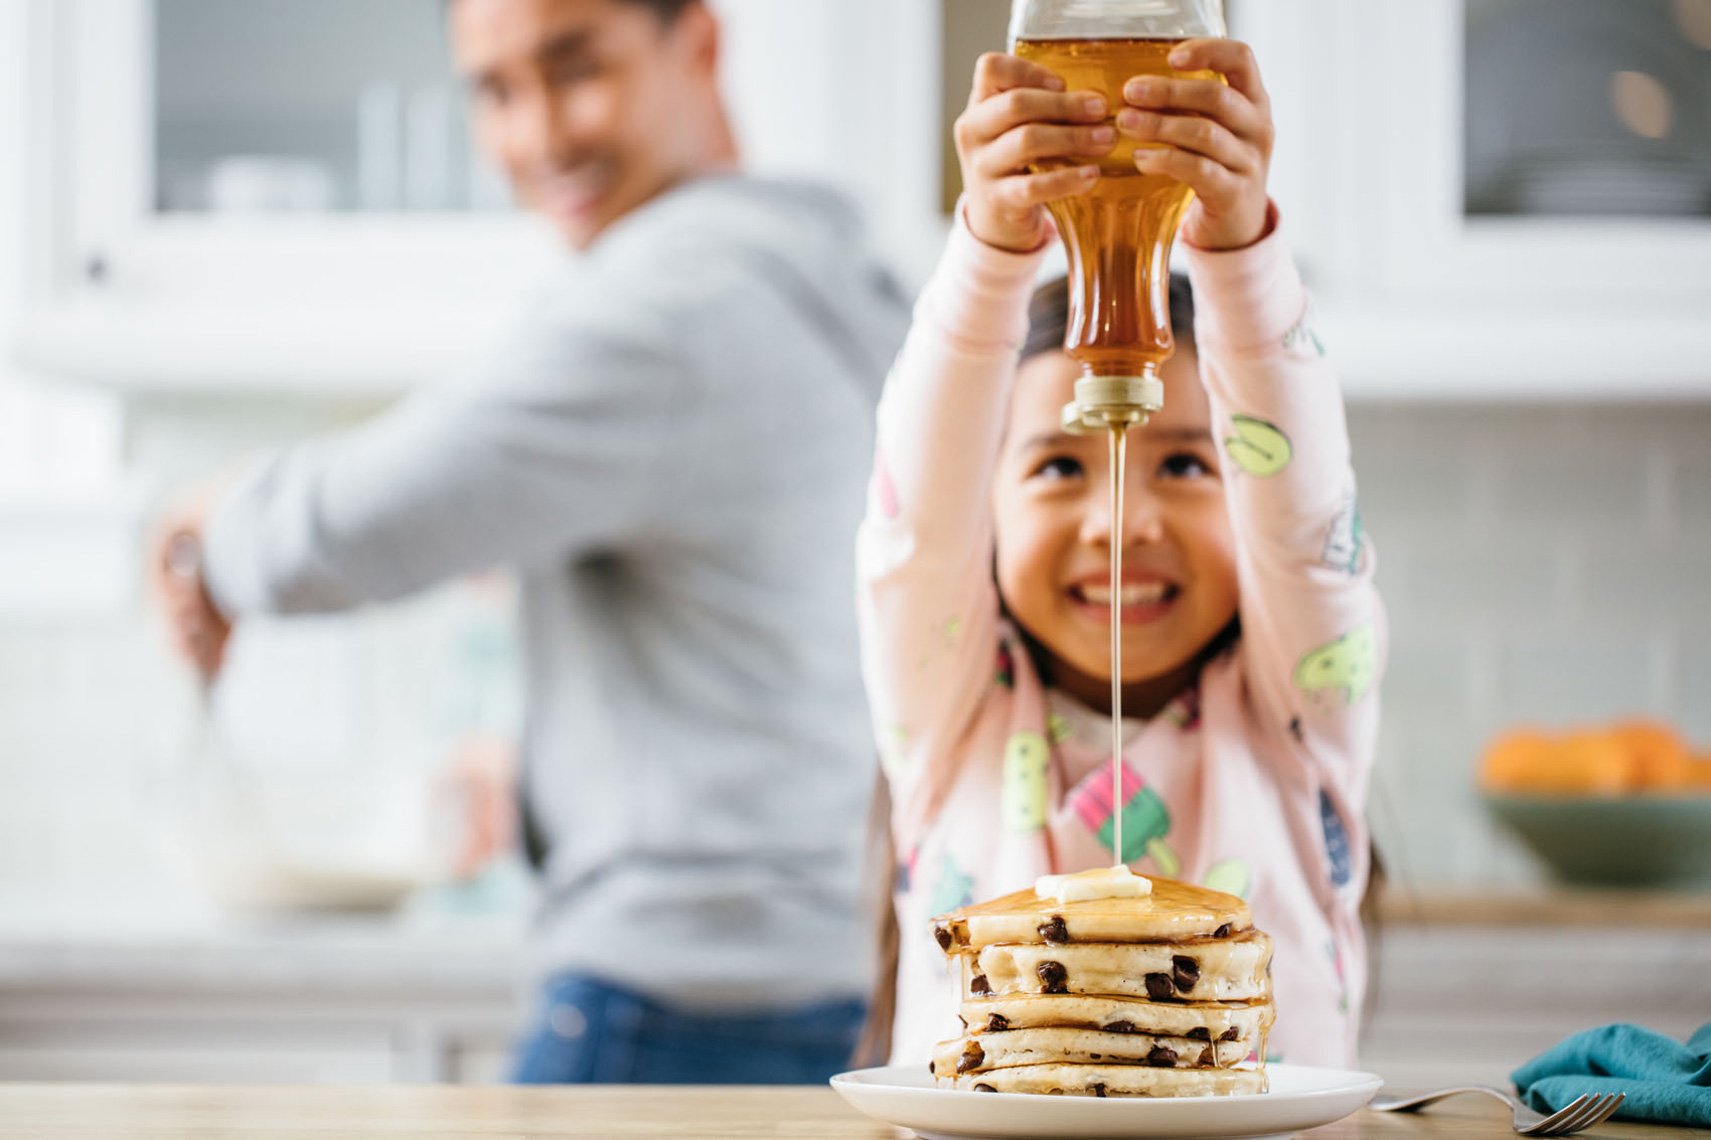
[[1620, 805]]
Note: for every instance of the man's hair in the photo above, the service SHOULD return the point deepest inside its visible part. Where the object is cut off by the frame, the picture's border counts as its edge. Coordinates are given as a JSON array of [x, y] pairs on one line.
[[1048, 315]]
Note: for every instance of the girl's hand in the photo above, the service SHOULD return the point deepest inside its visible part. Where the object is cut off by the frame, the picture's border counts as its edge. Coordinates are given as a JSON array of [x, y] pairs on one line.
[[1019, 116], [1218, 137]]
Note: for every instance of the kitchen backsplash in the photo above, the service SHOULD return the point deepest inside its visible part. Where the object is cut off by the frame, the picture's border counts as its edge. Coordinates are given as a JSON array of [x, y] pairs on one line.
[[1540, 563]]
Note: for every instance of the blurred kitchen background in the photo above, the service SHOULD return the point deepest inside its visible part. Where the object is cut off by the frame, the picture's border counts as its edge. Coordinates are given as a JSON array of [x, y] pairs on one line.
[[229, 223]]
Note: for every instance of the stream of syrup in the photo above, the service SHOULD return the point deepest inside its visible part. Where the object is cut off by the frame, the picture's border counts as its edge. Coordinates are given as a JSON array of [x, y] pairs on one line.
[[1119, 451]]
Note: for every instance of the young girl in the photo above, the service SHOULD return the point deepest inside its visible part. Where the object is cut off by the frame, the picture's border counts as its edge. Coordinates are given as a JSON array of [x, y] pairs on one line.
[[1252, 633]]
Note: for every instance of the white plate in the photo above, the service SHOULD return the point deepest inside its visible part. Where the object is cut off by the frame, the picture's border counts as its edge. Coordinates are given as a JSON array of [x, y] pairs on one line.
[[1300, 1098]]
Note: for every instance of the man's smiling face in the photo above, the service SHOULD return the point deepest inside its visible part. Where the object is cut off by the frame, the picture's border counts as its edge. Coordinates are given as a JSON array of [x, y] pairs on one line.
[[590, 107]]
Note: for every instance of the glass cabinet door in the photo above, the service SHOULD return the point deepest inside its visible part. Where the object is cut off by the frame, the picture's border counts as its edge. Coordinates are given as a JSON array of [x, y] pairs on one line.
[[1588, 108], [309, 106]]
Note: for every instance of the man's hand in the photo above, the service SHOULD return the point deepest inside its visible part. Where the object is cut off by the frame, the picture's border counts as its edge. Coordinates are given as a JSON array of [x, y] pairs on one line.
[[482, 783], [198, 631]]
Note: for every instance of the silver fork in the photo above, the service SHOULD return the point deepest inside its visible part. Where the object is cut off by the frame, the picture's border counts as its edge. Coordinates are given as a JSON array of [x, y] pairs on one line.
[[1577, 1115]]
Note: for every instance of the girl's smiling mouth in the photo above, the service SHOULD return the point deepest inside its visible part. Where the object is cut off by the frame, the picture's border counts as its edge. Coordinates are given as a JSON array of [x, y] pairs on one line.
[[1142, 599]]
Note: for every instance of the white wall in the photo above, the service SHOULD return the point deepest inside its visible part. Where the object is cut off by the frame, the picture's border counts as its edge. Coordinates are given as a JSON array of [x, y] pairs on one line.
[[12, 87]]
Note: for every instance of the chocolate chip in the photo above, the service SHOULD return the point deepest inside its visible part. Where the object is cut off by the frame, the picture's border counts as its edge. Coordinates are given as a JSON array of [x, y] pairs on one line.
[[1098, 1088], [997, 1023], [1208, 1059], [984, 1088], [1200, 1033], [943, 934], [1053, 978], [1230, 1034], [1185, 972], [1222, 931], [933, 1068], [1121, 1027], [1159, 987], [979, 985], [973, 1056], [1161, 1058], [1055, 930]]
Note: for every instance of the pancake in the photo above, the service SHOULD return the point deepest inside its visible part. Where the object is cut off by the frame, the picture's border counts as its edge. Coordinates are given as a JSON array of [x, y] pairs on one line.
[[1115, 1080], [1108, 983], [1237, 968], [979, 1053], [1172, 912], [1116, 1014]]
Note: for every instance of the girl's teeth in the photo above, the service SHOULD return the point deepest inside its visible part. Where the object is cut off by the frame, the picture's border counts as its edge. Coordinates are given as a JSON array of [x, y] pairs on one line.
[[1132, 595]]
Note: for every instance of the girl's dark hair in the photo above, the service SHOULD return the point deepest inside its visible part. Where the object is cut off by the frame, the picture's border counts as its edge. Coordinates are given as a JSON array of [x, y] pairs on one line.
[[879, 873], [1048, 315], [666, 10]]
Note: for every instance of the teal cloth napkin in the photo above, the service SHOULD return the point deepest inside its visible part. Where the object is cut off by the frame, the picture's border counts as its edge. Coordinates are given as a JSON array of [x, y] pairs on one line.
[[1666, 1082]]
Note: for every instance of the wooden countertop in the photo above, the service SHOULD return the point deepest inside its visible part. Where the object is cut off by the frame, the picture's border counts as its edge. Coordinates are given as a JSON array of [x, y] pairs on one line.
[[471, 1112], [1557, 907]]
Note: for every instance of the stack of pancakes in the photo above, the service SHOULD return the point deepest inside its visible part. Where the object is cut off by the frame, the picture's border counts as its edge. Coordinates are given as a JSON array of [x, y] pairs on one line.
[[1161, 995]]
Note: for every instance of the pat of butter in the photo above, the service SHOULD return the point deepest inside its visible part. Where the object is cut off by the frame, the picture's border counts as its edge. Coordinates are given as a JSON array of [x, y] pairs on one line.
[[1100, 883]]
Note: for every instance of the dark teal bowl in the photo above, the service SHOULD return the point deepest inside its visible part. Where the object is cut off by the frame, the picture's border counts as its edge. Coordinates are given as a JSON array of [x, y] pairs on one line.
[[1661, 841]]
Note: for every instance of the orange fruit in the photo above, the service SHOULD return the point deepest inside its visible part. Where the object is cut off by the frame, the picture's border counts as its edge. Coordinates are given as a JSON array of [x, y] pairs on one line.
[[1699, 772], [1515, 761], [1659, 755], [1592, 762]]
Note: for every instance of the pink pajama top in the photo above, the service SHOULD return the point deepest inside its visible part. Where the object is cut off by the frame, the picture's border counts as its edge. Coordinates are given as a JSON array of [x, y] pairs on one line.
[[1253, 781]]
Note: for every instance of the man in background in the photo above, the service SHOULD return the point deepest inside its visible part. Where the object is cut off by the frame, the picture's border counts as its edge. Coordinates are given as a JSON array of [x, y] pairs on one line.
[[669, 450]]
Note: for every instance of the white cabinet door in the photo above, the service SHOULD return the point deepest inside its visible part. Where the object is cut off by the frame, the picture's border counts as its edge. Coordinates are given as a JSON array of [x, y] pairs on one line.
[[158, 272], [224, 198], [1424, 297]]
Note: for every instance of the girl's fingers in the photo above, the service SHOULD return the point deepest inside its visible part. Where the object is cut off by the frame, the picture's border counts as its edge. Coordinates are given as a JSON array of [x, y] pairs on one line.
[[1017, 149], [1026, 191], [1204, 97], [1232, 59], [996, 72], [999, 114], [1212, 181], [1204, 137]]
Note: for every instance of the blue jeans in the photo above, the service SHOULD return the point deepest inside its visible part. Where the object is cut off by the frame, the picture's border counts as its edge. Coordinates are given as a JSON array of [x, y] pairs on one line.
[[592, 1032]]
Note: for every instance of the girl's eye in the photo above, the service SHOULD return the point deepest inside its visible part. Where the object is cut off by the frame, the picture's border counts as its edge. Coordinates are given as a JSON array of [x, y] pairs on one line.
[[1184, 465], [1059, 467], [566, 72]]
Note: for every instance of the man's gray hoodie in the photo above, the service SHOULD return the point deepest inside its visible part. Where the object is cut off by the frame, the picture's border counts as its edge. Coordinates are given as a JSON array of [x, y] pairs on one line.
[[671, 451]]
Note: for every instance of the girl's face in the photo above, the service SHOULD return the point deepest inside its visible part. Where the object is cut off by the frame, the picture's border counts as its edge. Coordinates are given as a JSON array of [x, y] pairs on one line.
[[1052, 505]]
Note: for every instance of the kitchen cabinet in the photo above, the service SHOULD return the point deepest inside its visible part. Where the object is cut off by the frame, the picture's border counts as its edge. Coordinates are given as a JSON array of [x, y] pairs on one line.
[[280, 197], [1466, 989], [305, 1000], [1593, 286], [1390, 112], [393, 255], [251, 197]]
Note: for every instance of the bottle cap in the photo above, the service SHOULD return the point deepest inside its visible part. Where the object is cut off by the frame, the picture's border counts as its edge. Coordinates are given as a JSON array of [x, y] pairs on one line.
[[1103, 402]]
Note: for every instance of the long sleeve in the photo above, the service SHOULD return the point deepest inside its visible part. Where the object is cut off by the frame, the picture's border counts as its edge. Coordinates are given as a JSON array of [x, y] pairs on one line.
[[552, 449], [1313, 629], [928, 605]]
